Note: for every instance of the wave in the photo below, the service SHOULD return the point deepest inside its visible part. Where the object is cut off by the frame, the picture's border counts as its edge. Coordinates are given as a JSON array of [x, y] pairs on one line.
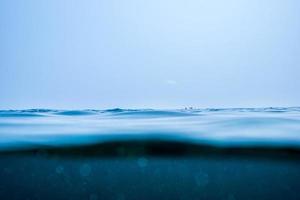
[[235, 128]]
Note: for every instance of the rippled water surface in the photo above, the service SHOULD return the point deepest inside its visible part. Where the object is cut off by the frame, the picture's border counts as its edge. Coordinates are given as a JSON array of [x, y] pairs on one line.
[[279, 127]]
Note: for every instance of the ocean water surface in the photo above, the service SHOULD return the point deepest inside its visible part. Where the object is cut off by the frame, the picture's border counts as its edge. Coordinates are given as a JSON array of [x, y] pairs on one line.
[[241, 127], [241, 153]]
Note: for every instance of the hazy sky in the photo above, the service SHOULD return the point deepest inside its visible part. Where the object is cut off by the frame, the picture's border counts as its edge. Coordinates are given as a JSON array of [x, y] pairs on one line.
[[155, 53]]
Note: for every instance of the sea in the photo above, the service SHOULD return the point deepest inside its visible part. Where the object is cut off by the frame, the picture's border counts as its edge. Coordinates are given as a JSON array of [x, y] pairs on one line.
[[186, 154]]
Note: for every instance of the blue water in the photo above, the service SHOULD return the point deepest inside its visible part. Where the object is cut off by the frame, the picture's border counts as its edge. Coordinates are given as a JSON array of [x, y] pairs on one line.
[[246, 127], [187, 154]]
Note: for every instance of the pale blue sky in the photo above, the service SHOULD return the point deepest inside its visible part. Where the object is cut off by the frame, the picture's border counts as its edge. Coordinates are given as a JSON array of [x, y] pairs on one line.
[[100, 54]]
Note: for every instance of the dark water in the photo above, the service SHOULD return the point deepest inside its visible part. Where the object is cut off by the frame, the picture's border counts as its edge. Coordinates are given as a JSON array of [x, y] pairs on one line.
[[150, 154]]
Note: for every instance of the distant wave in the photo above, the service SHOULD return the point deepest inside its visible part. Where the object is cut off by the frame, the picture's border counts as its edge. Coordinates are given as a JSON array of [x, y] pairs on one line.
[[252, 128]]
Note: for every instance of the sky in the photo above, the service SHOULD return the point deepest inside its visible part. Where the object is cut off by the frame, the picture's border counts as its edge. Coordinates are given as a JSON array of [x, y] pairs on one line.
[[99, 54]]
